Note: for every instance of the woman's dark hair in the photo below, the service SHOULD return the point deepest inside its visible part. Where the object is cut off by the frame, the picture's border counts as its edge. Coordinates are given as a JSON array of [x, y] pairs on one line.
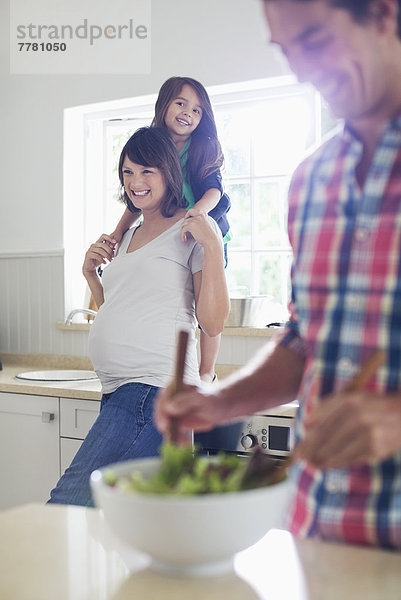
[[204, 155], [359, 9], [153, 147]]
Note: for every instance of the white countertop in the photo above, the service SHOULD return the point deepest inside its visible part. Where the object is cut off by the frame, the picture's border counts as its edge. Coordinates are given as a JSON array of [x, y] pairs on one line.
[[68, 553], [87, 390], [267, 332], [14, 364]]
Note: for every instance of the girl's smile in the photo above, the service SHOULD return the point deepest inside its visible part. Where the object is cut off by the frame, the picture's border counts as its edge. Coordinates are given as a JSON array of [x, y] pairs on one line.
[[183, 122]]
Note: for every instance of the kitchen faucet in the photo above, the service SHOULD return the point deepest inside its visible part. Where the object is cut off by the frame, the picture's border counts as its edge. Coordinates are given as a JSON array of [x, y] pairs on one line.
[[85, 311]]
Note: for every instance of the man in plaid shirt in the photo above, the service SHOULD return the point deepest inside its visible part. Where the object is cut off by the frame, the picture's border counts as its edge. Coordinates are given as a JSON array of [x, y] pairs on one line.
[[345, 231]]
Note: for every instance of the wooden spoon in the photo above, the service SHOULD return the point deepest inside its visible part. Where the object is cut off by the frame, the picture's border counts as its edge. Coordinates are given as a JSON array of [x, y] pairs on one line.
[[177, 384], [264, 470]]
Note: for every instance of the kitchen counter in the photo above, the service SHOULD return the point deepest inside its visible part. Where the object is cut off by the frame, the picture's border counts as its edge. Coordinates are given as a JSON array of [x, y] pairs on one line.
[[69, 553], [84, 390], [266, 332], [14, 364]]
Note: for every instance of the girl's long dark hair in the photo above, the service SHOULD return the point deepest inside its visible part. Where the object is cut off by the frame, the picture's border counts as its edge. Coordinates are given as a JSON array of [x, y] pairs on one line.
[[205, 155], [153, 147]]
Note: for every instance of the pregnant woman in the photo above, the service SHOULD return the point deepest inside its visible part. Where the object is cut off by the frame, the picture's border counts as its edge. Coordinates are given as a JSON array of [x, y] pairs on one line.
[[168, 273]]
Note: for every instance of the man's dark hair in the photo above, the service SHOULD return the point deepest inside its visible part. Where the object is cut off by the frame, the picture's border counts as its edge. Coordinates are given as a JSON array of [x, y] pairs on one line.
[[360, 9]]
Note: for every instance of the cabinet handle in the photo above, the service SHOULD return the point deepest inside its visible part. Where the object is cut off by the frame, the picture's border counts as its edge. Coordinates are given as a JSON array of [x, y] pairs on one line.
[[47, 417]]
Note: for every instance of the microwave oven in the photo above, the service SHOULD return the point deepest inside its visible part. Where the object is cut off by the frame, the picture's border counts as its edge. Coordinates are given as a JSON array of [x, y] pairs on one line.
[[273, 433]]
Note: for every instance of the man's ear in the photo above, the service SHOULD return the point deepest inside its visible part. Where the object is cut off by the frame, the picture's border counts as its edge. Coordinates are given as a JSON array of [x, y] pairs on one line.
[[385, 14]]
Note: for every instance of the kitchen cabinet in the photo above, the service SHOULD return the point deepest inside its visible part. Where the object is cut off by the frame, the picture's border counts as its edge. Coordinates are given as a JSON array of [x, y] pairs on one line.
[[76, 418], [40, 436], [68, 449], [29, 458]]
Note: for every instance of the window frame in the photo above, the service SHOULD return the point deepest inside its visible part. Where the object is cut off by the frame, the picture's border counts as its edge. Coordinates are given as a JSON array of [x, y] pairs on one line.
[[85, 185]]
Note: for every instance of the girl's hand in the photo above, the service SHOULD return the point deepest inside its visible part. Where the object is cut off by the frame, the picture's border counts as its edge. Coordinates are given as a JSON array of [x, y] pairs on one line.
[[99, 253], [123, 225], [194, 212], [116, 236], [202, 228]]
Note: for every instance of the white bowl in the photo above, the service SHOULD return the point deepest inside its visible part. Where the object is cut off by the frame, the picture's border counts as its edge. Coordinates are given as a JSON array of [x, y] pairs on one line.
[[192, 535]]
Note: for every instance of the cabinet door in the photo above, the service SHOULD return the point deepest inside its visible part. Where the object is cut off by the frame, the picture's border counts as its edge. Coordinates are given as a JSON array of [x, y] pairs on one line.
[[68, 449], [29, 444], [77, 417]]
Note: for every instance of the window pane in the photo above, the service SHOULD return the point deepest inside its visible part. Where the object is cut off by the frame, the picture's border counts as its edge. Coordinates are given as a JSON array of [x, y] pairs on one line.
[[234, 134], [273, 274], [282, 136], [239, 215], [269, 215], [238, 273], [264, 136]]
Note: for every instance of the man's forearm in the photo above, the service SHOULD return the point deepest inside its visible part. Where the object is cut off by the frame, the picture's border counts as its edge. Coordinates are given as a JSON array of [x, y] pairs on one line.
[[273, 377]]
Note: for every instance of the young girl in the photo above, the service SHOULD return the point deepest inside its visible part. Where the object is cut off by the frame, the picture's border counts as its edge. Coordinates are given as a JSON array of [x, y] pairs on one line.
[[183, 107], [132, 340]]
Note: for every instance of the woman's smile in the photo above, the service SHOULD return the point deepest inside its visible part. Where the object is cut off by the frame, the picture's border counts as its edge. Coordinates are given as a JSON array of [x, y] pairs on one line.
[[140, 193]]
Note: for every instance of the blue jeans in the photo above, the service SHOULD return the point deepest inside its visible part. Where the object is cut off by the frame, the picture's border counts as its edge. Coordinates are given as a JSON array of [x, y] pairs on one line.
[[123, 430]]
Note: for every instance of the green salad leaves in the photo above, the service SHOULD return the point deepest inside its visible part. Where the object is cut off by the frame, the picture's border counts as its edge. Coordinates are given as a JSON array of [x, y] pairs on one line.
[[182, 471]]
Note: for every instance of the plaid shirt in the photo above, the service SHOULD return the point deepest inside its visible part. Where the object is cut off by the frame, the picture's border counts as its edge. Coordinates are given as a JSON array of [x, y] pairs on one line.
[[346, 304]]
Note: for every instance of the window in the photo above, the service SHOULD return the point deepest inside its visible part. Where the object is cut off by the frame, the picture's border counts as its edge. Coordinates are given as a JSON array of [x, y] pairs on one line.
[[265, 127]]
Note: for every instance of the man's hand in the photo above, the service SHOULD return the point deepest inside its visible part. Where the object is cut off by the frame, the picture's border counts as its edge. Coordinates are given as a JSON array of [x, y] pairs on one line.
[[194, 408], [352, 428]]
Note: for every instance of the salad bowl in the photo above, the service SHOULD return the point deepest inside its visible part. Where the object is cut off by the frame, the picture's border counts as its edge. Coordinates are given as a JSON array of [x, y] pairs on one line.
[[187, 534]]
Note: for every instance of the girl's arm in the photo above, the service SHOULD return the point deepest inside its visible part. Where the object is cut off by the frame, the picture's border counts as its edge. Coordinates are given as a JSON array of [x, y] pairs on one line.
[[208, 202], [211, 295], [98, 254], [124, 224]]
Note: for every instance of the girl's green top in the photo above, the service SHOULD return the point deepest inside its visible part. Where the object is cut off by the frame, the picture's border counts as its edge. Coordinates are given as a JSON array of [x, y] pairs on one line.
[[186, 187]]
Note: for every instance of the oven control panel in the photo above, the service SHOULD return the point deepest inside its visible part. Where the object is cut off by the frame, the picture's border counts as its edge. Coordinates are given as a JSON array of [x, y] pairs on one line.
[[275, 435]]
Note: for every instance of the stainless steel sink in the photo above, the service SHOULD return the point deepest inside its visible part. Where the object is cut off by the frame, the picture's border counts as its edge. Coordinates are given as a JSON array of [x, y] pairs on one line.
[[58, 375]]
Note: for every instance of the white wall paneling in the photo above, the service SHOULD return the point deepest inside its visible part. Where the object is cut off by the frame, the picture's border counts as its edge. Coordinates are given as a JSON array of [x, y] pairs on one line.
[[31, 304], [238, 350]]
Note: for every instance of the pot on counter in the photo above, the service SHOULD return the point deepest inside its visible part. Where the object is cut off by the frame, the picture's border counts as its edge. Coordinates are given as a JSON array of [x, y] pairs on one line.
[[252, 311]]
